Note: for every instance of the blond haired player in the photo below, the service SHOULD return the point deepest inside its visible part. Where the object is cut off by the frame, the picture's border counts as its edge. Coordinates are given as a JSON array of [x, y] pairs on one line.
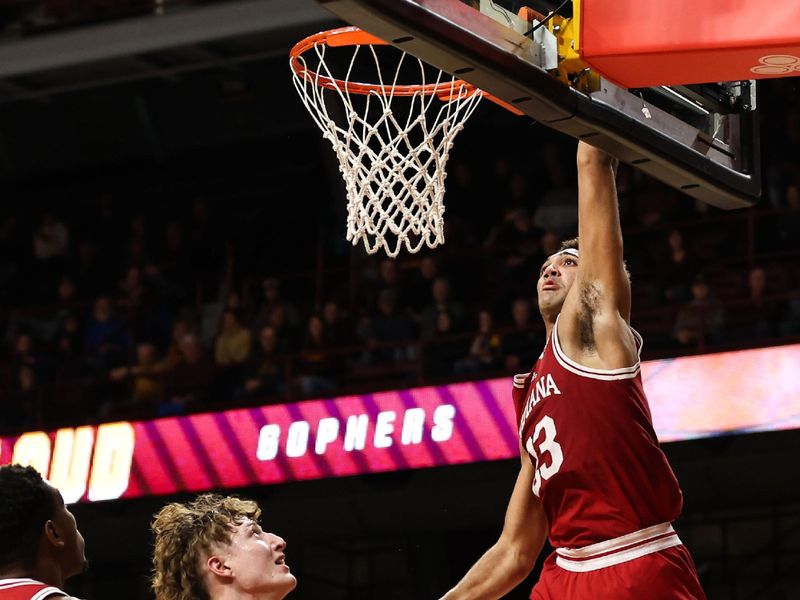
[[213, 548]]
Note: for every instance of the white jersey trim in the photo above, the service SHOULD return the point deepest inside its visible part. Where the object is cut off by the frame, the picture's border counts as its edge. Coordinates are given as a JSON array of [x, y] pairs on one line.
[[618, 550], [16, 582], [519, 380], [48, 591], [590, 372], [7, 584]]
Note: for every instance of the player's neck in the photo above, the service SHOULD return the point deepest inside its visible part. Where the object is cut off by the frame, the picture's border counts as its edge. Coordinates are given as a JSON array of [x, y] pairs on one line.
[[549, 321], [230, 593]]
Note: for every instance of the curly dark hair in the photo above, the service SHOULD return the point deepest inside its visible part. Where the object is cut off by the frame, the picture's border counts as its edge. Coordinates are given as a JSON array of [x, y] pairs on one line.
[[26, 503], [569, 245], [184, 533]]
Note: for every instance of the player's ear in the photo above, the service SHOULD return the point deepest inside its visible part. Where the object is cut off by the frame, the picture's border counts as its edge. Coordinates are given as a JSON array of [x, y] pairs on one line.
[[52, 534], [217, 565]]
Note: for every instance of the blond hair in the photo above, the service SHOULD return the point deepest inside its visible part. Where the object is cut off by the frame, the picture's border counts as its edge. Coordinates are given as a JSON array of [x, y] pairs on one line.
[[185, 534]]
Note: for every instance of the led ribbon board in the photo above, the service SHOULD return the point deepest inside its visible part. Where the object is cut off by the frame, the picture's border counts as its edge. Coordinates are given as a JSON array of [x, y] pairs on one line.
[[693, 397]]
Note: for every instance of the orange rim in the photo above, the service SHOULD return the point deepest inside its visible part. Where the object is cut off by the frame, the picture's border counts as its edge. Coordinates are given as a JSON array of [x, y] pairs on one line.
[[353, 36]]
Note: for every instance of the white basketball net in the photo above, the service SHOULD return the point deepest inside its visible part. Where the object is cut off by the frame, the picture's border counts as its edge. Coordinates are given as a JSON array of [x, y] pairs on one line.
[[392, 159]]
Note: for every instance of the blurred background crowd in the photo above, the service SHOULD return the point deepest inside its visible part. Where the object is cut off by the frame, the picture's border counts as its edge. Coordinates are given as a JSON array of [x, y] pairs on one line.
[[217, 274], [163, 295]]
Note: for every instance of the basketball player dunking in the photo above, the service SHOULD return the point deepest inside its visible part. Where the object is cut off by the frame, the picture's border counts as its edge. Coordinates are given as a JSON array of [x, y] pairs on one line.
[[593, 477], [40, 545]]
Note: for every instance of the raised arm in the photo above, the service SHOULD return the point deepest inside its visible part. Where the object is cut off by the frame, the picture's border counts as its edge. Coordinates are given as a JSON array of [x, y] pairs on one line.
[[594, 322], [512, 557], [601, 263]]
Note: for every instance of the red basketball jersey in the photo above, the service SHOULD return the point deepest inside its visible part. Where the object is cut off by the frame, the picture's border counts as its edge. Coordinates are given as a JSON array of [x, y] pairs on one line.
[[27, 589], [600, 472]]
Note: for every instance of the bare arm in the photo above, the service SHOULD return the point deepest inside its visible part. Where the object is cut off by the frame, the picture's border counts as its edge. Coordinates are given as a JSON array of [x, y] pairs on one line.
[[597, 310], [512, 557]]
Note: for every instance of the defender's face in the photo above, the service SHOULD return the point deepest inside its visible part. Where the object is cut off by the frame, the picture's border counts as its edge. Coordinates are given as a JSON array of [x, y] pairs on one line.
[[71, 552], [257, 561], [555, 280]]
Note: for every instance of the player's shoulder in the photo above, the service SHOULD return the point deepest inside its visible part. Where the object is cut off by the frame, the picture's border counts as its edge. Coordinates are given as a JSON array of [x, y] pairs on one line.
[[521, 380], [30, 589], [54, 594], [601, 342]]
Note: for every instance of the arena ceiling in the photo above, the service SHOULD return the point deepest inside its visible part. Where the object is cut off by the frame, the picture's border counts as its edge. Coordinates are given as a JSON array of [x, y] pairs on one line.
[[149, 87]]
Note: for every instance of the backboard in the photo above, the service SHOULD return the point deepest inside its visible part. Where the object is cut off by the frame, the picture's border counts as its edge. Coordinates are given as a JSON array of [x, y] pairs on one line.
[[700, 139]]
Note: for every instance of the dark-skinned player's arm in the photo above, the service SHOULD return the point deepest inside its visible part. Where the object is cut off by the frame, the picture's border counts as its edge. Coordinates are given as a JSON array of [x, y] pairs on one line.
[[597, 311], [513, 556]]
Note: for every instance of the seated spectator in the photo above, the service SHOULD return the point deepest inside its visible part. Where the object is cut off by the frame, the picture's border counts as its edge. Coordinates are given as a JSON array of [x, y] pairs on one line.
[[381, 275], [233, 344], [442, 302], [485, 349], [523, 343], [69, 349], [675, 270], [338, 328], [388, 326], [46, 326], [21, 402], [173, 354], [278, 320], [264, 376], [702, 318], [442, 350], [135, 303], [316, 371], [757, 318], [190, 382], [273, 301], [390, 279], [147, 385], [419, 288], [25, 357], [107, 340], [51, 238], [131, 289], [22, 351]]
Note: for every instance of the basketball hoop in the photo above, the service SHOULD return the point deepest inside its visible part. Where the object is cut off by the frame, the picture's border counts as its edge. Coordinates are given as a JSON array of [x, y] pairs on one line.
[[392, 157]]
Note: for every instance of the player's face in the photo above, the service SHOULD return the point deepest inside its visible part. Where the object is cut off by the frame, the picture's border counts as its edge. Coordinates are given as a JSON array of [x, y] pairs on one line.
[[71, 553], [257, 561], [556, 277]]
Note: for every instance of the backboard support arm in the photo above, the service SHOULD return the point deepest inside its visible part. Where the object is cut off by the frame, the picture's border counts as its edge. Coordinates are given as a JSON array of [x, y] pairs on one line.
[[720, 167]]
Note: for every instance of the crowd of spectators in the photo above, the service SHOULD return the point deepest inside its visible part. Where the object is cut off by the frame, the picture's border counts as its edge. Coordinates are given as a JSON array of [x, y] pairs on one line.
[[124, 313]]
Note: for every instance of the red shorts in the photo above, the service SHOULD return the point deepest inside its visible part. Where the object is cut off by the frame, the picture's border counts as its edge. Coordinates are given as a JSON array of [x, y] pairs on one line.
[[668, 574]]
